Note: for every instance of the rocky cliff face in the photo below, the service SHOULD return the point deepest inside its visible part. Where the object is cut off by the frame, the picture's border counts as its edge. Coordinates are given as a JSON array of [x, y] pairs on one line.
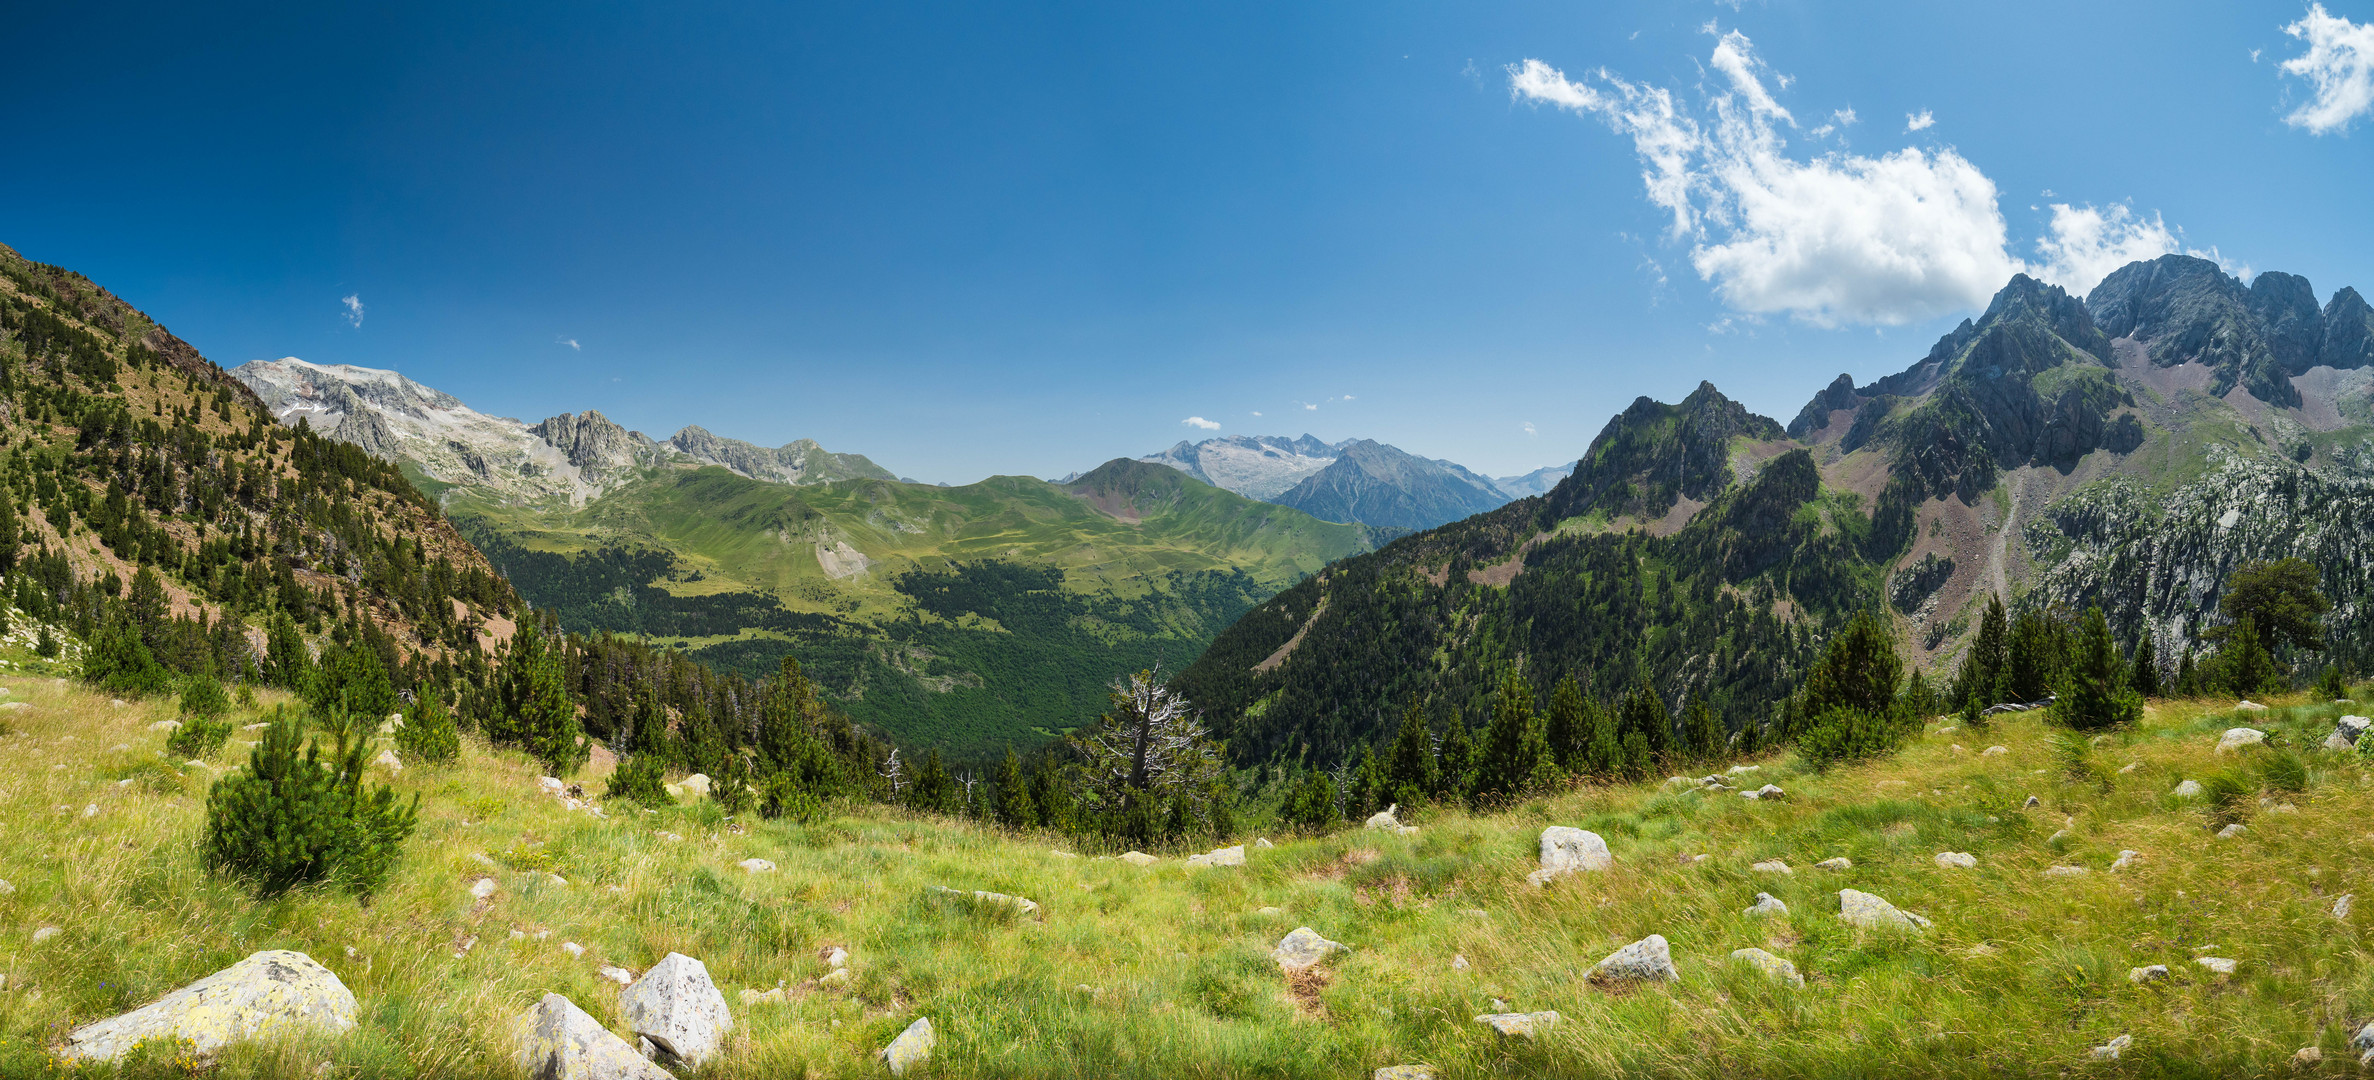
[[572, 457], [1653, 455], [2187, 310]]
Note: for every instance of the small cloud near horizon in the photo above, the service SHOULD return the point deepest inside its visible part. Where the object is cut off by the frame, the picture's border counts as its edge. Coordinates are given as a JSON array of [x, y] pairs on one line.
[[354, 309], [1200, 422], [1528, 428], [570, 342]]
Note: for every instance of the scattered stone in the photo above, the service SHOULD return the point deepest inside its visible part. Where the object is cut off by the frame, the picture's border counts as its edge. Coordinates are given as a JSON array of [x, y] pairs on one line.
[[1227, 856], [1872, 913], [91, 811], [697, 783], [2218, 964], [2307, 1056], [1768, 791], [7, 889], [2237, 738], [387, 760], [482, 888], [165, 725], [557, 880], [1768, 904], [2232, 831], [2340, 904], [45, 933], [2190, 789], [1262, 843], [2345, 735], [837, 959], [2032, 803], [2283, 808], [911, 1049], [2364, 1039], [1303, 948], [757, 866], [558, 1041], [1772, 866], [1403, 1072], [1994, 751], [552, 785], [1272, 912], [2153, 973], [1384, 819], [1519, 1025], [2064, 871], [617, 974], [670, 837], [2057, 836], [1138, 858], [1839, 863], [751, 997], [270, 993], [676, 1007], [1458, 962], [481, 858], [1963, 859], [2130, 767], [1773, 967], [2125, 859], [2250, 706], [464, 948], [1742, 770], [1027, 907], [572, 948], [1646, 960], [118, 702], [2109, 1051], [1566, 850]]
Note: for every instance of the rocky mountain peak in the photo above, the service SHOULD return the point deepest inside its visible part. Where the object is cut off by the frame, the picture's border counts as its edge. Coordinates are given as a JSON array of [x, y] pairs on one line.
[[592, 442], [1653, 455]]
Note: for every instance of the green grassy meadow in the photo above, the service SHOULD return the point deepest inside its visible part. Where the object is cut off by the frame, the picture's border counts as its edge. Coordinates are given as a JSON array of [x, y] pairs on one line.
[[1163, 971]]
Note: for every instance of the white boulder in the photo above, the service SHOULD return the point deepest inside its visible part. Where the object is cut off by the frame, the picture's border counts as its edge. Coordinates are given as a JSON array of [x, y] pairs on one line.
[[1303, 948], [558, 1041], [2237, 738], [757, 866], [1962, 859], [1872, 913], [1773, 967], [676, 1007], [911, 1049], [1519, 1025], [1384, 819], [1768, 904], [697, 783], [271, 993], [1566, 850], [1227, 856], [1646, 960]]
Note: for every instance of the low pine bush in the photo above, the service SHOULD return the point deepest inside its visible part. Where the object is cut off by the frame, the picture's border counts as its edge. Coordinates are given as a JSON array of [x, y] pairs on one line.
[[199, 736], [781, 796], [1841, 734], [292, 819], [639, 779], [429, 735]]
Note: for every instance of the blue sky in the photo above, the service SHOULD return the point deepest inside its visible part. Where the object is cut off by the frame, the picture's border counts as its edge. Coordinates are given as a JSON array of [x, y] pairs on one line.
[[976, 239]]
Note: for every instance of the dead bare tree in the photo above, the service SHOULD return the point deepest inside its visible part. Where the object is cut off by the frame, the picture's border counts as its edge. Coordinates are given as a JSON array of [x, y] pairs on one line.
[[1150, 740]]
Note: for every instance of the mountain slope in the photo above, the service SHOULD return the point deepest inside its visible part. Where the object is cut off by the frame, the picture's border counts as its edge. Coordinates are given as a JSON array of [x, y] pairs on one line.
[[1376, 484], [131, 455], [1254, 466], [966, 618]]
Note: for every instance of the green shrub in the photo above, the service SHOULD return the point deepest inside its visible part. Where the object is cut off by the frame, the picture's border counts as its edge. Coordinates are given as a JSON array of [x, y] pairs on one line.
[[781, 796], [2095, 693], [2332, 685], [532, 858], [1312, 805], [289, 819], [202, 697], [1842, 734], [199, 736], [639, 779], [429, 735], [117, 662]]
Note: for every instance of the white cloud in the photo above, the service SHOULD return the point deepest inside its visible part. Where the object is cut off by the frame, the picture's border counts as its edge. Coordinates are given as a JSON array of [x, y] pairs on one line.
[[1527, 427], [354, 309], [2339, 63], [1310, 408], [568, 341], [1256, 412], [2086, 244], [1920, 121], [1831, 239], [1200, 422]]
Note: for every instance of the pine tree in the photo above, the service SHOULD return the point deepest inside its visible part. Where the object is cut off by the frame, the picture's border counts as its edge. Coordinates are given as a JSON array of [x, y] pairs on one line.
[[287, 662], [1014, 809], [290, 820], [2036, 657], [2097, 697], [2145, 677], [1311, 805], [11, 534], [429, 735], [117, 661], [1410, 768], [1982, 669], [1604, 749], [1647, 729], [535, 712], [2188, 677], [1368, 792], [2248, 667], [1565, 729], [932, 791], [1050, 796], [1704, 730], [1457, 758], [1512, 744]]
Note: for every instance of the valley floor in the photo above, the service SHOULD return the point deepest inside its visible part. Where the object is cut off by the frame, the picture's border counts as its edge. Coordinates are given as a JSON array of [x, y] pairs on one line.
[[1165, 970]]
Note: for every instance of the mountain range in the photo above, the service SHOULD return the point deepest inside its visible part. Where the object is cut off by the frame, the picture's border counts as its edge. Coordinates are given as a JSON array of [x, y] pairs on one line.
[[1356, 480], [2129, 449]]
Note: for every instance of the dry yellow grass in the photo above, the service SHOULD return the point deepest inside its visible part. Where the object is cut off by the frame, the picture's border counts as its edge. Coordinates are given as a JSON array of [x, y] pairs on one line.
[[1163, 971]]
